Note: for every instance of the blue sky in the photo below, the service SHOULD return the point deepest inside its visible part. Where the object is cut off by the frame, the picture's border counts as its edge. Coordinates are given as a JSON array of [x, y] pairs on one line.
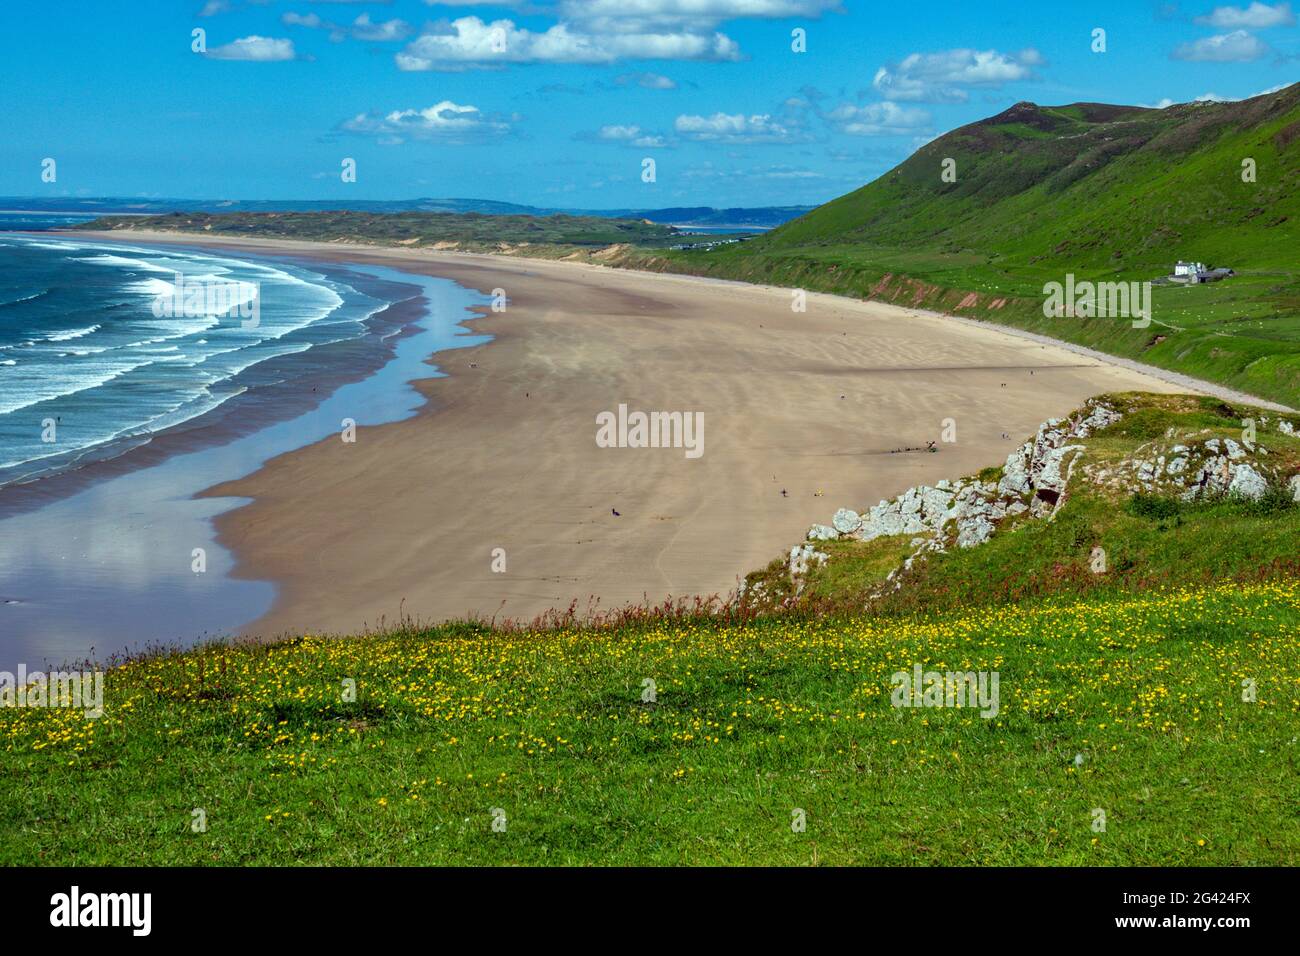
[[558, 102]]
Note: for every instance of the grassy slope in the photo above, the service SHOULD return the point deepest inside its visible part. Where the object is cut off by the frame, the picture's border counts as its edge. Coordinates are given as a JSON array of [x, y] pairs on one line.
[[1102, 192], [1139, 675]]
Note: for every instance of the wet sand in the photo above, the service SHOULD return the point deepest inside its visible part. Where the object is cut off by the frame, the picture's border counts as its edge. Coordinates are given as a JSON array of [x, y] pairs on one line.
[[504, 455]]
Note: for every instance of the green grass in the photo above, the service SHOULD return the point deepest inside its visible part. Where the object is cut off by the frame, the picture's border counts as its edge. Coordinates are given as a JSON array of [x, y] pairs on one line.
[[752, 722], [1121, 692]]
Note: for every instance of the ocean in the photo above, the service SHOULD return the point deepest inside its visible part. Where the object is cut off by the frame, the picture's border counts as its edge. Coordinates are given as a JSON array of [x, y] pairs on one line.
[[103, 345], [100, 528]]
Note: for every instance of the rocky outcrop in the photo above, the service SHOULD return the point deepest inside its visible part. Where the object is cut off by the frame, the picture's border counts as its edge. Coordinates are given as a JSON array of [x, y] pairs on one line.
[[1191, 467], [845, 521], [803, 557], [1036, 479], [967, 512]]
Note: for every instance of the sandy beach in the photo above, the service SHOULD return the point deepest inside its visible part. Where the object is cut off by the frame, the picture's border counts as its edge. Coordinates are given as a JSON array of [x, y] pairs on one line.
[[504, 454]]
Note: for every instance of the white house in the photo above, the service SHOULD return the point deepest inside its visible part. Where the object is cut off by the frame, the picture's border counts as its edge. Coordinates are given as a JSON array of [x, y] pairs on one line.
[[1189, 269]]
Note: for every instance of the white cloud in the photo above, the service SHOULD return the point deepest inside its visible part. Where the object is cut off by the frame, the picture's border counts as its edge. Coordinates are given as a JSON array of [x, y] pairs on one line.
[[597, 31], [877, 119], [469, 42], [1235, 47], [939, 77], [785, 172], [631, 135], [735, 128], [619, 133], [1257, 16], [362, 28], [313, 22], [637, 16], [649, 81], [365, 29], [637, 12], [254, 48], [714, 10], [445, 122]]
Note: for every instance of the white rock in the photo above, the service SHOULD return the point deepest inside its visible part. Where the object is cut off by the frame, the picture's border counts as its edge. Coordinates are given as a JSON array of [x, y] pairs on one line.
[[974, 532], [1015, 473], [934, 505], [1248, 483], [1049, 476], [881, 521], [802, 557], [1211, 478], [912, 524], [1100, 417], [846, 521], [1294, 485], [821, 532]]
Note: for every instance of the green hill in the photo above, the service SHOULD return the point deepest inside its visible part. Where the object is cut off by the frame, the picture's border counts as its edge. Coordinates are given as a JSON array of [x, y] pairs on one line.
[[1103, 192], [1090, 188]]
